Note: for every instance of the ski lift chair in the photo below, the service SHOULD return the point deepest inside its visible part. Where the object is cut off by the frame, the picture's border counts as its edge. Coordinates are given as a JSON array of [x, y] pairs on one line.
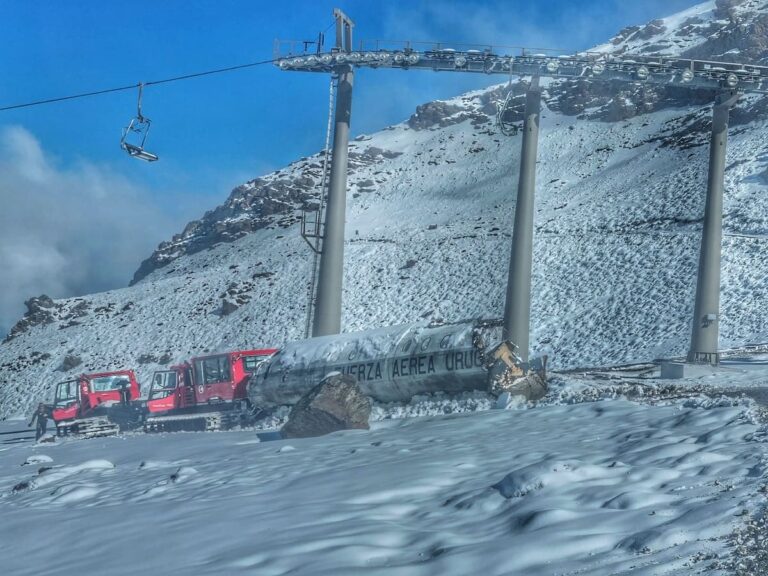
[[137, 131]]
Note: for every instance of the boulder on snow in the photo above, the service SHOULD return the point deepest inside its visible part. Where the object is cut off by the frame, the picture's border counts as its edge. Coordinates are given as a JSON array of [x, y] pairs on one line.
[[70, 362], [227, 307], [147, 359], [337, 403]]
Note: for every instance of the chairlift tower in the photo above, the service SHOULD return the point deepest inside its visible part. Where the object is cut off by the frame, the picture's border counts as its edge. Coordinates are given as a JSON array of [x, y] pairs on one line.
[[706, 314], [517, 308], [719, 77], [327, 303]]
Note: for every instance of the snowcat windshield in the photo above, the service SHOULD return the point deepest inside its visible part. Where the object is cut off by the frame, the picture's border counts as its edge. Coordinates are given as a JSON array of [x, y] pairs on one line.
[[250, 363], [107, 383], [163, 383], [66, 392], [212, 370]]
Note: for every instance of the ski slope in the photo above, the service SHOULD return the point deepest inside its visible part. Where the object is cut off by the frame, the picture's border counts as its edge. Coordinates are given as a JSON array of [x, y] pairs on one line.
[[608, 487]]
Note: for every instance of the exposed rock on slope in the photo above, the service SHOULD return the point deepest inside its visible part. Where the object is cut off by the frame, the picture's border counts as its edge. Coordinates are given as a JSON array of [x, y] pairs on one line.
[[270, 201], [42, 311]]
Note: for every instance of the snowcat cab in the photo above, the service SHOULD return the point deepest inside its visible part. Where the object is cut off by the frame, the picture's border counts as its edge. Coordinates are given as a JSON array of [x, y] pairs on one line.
[[83, 404], [223, 377], [206, 393], [170, 390], [66, 401]]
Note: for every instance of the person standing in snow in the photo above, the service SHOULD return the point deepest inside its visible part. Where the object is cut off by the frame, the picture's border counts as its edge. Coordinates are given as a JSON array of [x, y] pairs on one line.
[[41, 415]]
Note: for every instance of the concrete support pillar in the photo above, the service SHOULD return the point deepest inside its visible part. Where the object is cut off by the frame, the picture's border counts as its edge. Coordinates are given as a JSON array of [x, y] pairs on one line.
[[327, 319], [706, 315], [517, 309]]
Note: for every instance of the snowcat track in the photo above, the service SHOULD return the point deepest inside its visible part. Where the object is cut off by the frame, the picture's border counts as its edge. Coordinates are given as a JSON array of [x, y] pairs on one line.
[[88, 428], [185, 423], [210, 422]]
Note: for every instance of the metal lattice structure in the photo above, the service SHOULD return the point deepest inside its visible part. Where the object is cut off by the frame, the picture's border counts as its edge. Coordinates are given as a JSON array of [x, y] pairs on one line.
[[694, 74], [726, 80]]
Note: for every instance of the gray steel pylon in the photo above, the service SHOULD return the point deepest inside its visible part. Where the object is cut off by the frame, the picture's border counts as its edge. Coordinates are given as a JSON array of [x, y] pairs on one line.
[[327, 316], [517, 308], [706, 316]]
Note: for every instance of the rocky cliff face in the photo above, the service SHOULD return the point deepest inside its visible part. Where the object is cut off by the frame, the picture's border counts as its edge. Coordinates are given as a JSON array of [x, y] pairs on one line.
[[725, 30]]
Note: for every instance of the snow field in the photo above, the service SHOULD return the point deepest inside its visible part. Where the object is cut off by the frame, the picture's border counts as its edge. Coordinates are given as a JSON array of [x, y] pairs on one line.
[[611, 487]]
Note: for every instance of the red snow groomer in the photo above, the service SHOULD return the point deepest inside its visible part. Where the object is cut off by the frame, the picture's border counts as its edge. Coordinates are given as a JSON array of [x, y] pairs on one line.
[[206, 393], [95, 404]]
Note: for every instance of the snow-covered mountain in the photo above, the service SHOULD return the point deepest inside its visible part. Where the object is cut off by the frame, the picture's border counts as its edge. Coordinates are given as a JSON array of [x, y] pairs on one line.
[[621, 180]]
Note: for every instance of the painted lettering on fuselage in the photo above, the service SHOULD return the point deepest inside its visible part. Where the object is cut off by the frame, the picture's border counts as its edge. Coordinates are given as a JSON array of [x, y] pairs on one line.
[[411, 366], [463, 360], [365, 372]]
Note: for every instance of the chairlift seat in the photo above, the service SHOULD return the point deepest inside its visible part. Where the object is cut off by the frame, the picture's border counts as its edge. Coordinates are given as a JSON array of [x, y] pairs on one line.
[[138, 152], [137, 129]]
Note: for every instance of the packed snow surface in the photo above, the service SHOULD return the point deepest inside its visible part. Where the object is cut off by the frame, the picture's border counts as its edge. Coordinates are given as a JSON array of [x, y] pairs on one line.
[[611, 487]]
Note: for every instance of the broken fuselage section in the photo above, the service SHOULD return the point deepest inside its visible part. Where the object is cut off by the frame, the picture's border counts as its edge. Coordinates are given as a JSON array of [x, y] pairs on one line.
[[395, 364]]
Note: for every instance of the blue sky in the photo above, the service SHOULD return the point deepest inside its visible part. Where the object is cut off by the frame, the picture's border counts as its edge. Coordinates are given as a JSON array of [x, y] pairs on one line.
[[215, 132]]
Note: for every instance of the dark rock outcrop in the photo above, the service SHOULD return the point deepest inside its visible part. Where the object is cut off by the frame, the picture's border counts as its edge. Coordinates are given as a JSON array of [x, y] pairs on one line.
[[40, 310], [616, 101], [726, 8], [250, 207], [651, 29], [272, 201], [335, 404], [227, 307], [625, 34], [70, 362], [433, 114]]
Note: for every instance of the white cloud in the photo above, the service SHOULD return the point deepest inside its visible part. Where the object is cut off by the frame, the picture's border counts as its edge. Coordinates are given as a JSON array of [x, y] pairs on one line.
[[67, 231], [25, 154]]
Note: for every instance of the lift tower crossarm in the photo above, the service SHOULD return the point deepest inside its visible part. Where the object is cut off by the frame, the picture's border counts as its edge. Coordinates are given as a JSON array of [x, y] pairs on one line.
[[691, 74]]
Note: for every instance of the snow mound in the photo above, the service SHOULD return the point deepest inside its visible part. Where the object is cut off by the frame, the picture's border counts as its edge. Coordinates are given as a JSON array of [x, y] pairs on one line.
[[552, 473], [37, 459]]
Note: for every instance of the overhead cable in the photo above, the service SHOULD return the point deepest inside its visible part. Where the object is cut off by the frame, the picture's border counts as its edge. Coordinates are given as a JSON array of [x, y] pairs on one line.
[[134, 86]]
